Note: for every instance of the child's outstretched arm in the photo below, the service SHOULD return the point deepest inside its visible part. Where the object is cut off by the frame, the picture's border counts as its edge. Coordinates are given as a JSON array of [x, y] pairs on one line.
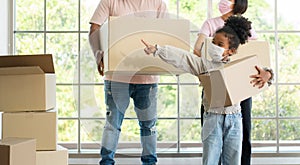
[[177, 57]]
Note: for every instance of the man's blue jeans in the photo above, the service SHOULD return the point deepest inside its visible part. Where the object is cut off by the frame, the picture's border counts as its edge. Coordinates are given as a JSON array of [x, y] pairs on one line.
[[117, 98], [222, 138]]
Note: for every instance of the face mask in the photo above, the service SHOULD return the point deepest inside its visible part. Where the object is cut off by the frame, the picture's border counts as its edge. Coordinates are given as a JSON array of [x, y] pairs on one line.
[[215, 52], [224, 6]]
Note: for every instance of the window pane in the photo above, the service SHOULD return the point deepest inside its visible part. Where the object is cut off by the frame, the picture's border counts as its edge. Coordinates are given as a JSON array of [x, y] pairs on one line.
[[167, 130], [287, 20], [261, 14], [263, 130], [264, 103], [190, 130], [289, 131], [62, 15], [289, 57], [167, 101], [64, 48], [190, 100], [289, 100], [29, 15], [87, 9], [66, 97], [29, 43], [67, 131], [194, 11], [88, 67], [91, 133], [100, 99], [88, 101]]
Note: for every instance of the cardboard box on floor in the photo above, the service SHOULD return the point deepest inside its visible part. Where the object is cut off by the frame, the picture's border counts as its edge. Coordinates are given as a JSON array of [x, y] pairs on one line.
[[230, 84], [41, 126], [124, 53], [16, 151], [260, 48], [58, 157], [27, 83]]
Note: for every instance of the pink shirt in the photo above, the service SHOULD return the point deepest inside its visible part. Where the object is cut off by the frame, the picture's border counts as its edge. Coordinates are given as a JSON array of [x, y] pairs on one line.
[[139, 8], [210, 26]]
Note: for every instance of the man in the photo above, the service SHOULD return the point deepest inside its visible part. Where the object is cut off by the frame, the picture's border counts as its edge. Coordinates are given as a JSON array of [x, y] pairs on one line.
[[119, 89]]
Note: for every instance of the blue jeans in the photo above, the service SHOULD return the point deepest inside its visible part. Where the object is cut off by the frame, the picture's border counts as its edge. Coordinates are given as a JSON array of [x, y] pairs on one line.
[[222, 139], [117, 98], [246, 106]]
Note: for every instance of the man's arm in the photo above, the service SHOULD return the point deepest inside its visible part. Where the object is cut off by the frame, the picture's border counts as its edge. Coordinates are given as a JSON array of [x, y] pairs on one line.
[[94, 41], [94, 27]]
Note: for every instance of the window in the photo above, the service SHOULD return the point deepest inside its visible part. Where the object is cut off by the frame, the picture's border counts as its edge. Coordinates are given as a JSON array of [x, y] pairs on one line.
[[61, 28]]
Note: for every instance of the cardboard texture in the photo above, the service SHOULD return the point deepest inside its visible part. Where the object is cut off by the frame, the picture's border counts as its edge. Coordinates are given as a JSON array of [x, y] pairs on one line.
[[231, 84], [58, 157], [41, 126], [16, 151], [260, 48], [27, 83], [124, 52]]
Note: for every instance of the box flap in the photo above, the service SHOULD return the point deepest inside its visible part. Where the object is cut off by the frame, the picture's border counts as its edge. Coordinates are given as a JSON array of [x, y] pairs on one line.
[[232, 63], [21, 70], [44, 61]]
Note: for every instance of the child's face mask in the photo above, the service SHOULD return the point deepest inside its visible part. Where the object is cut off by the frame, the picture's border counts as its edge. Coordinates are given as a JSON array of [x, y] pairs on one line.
[[215, 52], [225, 6]]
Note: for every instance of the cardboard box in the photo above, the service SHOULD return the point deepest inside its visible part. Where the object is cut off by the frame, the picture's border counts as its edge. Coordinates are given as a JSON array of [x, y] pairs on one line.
[[41, 126], [16, 151], [58, 157], [124, 53], [27, 83], [260, 48], [231, 84]]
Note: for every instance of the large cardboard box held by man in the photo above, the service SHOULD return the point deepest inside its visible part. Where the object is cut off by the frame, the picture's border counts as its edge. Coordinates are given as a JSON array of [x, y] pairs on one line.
[[230, 84], [27, 83], [16, 151], [41, 126], [124, 53]]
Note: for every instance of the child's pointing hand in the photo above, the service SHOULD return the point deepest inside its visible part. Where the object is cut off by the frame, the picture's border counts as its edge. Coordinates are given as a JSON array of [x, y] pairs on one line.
[[149, 48]]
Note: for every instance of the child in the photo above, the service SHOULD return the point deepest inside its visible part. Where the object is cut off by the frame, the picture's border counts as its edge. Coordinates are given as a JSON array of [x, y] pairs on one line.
[[222, 128]]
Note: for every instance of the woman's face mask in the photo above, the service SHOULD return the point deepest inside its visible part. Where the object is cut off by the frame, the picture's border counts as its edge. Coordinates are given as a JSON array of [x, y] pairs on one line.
[[215, 52], [225, 6]]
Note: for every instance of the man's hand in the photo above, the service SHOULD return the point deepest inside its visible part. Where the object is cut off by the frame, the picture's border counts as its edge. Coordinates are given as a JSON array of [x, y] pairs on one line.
[[150, 49], [261, 78], [99, 60]]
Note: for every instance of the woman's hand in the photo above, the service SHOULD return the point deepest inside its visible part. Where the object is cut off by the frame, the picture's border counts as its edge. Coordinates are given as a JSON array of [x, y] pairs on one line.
[[261, 78], [150, 49]]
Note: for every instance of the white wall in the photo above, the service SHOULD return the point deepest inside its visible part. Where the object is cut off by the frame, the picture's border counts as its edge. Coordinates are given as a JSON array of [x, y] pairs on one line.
[[4, 27]]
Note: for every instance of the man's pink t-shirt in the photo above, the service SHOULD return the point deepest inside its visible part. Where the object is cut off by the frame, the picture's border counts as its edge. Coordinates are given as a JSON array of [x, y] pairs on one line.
[[139, 8], [210, 26]]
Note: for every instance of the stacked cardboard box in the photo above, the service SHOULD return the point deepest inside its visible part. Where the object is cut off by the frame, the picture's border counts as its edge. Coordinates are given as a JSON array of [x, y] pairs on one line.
[[27, 100], [16, 151]]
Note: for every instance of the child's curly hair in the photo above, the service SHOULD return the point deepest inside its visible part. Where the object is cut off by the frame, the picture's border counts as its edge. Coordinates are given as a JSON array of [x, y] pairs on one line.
[[237, 30]]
